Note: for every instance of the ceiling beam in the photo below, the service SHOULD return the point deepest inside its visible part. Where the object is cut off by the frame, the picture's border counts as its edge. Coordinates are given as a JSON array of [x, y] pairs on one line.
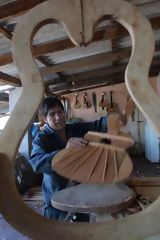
[[44, 60], [41, 49], [99, 76], [6, 33], [62, 88], [7, 79], [108, 33], [116, 30], [89, 61], [17, 8], [90, 83]]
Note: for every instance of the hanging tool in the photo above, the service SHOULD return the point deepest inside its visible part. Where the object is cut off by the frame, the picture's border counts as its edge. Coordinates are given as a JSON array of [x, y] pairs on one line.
[[94, 98], [77, 103], [102, 103], [65, 102], [111, 107], [130, 109], [85, 101]]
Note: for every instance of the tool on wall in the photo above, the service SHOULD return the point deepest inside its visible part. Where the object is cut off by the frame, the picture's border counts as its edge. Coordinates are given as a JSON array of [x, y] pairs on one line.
[[77, 104], [102, 103], [111, 107], [94, 98], [65, 102], [130, 108], [85, 101]]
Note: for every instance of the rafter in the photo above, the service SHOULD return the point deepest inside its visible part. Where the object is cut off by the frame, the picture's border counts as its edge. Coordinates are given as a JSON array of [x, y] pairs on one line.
[[93, 60], [105, 76], [6, 33], [88, 61], [42, 59], [17, 7], [7, 79], [48, 63]]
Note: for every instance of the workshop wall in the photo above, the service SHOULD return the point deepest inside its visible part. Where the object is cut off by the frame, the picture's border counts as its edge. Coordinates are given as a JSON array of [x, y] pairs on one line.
[[136, 122]]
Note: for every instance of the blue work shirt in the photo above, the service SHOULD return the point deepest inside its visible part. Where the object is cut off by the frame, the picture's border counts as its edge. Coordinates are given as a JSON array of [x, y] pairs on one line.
[[45, 146]]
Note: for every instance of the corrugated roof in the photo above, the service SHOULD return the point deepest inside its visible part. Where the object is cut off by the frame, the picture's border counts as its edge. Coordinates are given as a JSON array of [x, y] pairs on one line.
[[55, 38]]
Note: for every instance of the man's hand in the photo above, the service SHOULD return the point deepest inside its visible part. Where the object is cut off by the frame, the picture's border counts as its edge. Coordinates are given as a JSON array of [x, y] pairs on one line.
[[76, 142]]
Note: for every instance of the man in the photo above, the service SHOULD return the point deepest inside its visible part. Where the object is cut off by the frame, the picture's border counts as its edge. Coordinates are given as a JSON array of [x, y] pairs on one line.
[[55, 136]]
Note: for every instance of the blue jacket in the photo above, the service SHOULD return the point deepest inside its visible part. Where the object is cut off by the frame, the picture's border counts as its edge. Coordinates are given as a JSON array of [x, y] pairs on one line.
[[45, 146]]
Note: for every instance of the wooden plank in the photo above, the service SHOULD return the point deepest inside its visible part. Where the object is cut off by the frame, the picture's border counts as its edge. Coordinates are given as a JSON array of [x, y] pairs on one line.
[[149, 192], [6, 33], [103, 74], [8, 79], [88, 61], [17, 7], [144, 181], [42, 59], [84, 85]]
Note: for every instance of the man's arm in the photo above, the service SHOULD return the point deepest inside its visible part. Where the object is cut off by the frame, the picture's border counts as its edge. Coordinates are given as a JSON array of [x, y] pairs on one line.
[[40, 159], [98, 125]]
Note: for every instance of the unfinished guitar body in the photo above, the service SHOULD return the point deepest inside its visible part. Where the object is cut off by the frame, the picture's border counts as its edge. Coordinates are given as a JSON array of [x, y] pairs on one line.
[[144, 225], [95, 163]]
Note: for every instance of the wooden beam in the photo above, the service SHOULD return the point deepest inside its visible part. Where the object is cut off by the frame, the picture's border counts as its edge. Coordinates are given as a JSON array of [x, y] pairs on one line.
[[7, 79], [116, 30], [105, 76], [6, 33], [84, 85], [93, 60], [44, 60], [64, 44], [17, 7], [144, 181], [88, 61], [41, 49]]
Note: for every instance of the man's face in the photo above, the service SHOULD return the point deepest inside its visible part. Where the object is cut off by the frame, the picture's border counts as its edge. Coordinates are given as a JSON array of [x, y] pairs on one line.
[[56, 118]]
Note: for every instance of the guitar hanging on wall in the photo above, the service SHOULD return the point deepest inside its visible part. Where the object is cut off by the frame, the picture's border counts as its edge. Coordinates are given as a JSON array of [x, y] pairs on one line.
[[111, 107]]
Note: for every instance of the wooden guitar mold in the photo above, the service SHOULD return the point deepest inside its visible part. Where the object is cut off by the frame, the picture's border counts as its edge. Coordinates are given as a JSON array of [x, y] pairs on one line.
[[144, 225], [94, 163]]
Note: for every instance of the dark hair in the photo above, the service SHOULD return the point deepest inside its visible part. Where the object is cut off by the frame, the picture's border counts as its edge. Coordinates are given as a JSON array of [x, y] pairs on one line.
[[48, 103]]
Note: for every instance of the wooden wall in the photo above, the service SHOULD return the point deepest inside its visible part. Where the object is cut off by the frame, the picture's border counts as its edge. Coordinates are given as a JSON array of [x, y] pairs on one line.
[[135, 124]]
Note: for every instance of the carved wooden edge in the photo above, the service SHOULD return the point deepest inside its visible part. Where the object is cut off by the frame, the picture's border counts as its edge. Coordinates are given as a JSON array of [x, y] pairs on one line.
[[138, 226]]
